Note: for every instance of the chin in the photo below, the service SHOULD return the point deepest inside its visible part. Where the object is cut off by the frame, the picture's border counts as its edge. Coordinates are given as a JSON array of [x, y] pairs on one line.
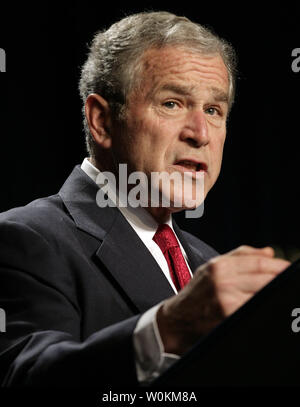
[[182, 202]]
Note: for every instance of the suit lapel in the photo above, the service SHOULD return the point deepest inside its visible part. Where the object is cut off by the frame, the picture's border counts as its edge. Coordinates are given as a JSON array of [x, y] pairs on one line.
[[119, 248], [195, 257], [132, 266]]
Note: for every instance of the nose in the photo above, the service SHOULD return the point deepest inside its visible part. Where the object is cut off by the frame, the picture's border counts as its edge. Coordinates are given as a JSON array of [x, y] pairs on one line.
[[195, 131]]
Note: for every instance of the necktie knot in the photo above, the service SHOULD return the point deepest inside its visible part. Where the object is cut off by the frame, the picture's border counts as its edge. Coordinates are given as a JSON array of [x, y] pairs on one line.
[[165, 238]]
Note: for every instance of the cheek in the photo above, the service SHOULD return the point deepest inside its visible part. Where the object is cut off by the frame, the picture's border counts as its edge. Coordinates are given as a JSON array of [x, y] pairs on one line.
[[216, 151], [144, 143], [218, 141], [156, 139], [144, 128]]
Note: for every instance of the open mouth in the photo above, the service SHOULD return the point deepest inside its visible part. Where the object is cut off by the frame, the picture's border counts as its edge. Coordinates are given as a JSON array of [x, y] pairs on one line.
[[189, 165]]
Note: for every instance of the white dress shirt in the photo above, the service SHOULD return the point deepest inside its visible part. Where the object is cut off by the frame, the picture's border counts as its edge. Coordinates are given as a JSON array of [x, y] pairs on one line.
[[151, 359]]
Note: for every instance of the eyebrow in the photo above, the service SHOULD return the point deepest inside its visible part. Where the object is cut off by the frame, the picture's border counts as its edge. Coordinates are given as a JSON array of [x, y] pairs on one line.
[[218, 94], [180, 89]]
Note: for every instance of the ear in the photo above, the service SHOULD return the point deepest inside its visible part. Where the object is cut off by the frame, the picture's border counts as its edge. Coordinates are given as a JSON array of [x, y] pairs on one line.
[[98, 116]]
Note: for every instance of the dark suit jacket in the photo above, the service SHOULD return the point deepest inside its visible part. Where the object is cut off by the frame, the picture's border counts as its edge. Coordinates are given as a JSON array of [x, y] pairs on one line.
[[74, 279]]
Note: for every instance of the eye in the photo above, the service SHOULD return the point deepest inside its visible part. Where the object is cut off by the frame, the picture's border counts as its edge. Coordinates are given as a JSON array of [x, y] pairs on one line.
[[212, 111], [170, 104]]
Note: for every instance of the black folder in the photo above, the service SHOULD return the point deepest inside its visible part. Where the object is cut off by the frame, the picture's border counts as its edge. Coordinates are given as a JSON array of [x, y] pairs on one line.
[[258, 345]]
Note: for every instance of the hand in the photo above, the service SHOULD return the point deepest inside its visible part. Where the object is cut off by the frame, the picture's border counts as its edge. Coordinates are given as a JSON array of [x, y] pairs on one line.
[[218, 288]]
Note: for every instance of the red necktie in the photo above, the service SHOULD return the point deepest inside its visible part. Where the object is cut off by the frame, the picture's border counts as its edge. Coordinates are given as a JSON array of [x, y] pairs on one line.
[[168, 243]]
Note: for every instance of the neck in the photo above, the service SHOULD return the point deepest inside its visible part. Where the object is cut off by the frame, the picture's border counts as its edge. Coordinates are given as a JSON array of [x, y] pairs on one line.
[[161, 215]]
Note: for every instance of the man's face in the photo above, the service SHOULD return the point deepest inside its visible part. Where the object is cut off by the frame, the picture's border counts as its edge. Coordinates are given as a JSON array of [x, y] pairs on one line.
[[176, 119]]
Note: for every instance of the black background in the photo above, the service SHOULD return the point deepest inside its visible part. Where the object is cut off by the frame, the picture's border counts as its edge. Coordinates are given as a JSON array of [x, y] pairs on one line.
[[255, 200]]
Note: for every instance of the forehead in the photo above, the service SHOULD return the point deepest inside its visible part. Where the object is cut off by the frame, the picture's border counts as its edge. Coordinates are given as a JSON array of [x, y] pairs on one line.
[[180, 65]]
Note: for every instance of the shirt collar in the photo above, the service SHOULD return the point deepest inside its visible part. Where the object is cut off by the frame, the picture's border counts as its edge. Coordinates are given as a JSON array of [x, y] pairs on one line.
[[138, 218]]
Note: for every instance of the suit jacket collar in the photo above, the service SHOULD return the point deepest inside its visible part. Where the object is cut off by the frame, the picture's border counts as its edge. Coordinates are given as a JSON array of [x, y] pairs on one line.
[[195, 257], [117, 246]]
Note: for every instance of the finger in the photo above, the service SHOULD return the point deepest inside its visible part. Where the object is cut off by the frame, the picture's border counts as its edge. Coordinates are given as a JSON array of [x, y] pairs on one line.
[[249, 250], [258, 264], [250, 284], [267, 251]]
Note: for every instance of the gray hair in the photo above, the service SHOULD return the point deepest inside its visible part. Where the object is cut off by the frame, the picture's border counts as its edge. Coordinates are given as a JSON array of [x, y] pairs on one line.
[[114, 55]]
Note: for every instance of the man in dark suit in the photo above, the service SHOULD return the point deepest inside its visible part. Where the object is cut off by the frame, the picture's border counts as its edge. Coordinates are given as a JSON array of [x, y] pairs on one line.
[[89, 291]]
